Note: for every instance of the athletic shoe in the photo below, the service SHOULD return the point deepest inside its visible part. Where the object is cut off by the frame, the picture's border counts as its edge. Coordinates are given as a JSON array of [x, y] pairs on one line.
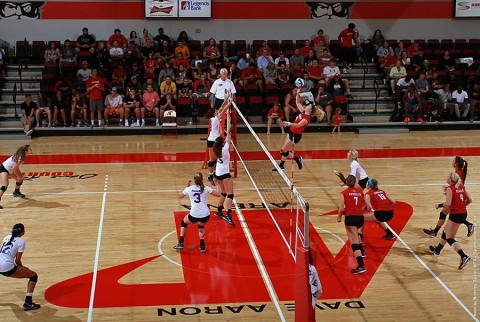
[[430, 232], [268, 133], [281, 168], [405, 120], [218, 213], [436, 253], [471, 229], [363, 254], [18, 194], [1, 207], [29, 132], [178, 246], [350, 97], [228, 219], [464, 261], [300, 163], [30, 306], [389, 236], [420, 120], [359, 270], [202, 249]]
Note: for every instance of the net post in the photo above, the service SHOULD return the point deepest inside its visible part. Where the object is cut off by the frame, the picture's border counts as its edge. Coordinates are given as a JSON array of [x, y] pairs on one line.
[[304, 310], [207, 155], [306, 224], [234, 139]]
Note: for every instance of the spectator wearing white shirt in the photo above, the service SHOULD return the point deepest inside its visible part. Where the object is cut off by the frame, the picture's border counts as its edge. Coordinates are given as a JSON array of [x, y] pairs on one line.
[[264, 60], [460, 99], [113, 102], [220, 88]]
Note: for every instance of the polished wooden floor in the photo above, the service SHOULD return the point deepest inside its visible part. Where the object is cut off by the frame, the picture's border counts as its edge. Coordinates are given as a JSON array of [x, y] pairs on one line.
[[135, 203]]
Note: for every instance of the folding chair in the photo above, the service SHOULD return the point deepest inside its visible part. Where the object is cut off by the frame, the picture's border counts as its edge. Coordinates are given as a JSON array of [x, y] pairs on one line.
[[170, 123]]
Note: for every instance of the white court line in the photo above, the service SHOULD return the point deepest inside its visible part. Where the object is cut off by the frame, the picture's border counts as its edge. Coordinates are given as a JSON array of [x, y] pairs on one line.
[[434, 275], [97, 252], [475, 277], [260, 265]]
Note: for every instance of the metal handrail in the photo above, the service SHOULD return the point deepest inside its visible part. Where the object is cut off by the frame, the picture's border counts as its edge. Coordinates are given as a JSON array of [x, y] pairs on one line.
[[376, 89], [364, 65]]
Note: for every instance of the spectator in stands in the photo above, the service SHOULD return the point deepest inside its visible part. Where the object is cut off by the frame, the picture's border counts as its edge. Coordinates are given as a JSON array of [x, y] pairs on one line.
[[95, 88], [261, 48], [397, 72], [447, 63], [67, 54], [180, 60], [167, 70], [119, 84], [52, 54], [412, 104], [318, 49], [135, 85], [270, 74], [150, 81], [244, 62], [386, 64], [320, 38], [264, 60], [417, 61], [161, 37], [431, 101], [3, 63], [304, 51], [28, 109], [212, 72], [137, 72], [422, 85], [166, 52], [336, 86], [400, 49], [79, 109], [282, 60], [315, 72], [131, 102], [325, 58], [297, 61], [150, 101], [100, 60], [402, 86], [308, 84], [427, 69], [183, 37], [44, 108], [144, 51], [116, 52], [275, 115], [445, 106], [181, 48], [252, 75], [168, 102], [414, 49], [346, 43], [290, 106], [150, 65], [324, 101], [330, 71], [119, 71], [226, 52], [201, 88], [283, 75], [119, 38], [168, 86], [377, 42], [198, 70], [406, 61], [133, 38], [65, 86], [60, 106], [384, 50], [474, 95], [185, 89], [460, 101], [146, 40], [113, 103], [85, 42], [235, 73], [85, 71], [436, 82], [210, 52], [182, 74], [309, 58]]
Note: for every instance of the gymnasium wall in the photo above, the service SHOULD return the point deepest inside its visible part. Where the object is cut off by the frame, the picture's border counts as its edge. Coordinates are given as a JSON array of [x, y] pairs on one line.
[[247, 19]]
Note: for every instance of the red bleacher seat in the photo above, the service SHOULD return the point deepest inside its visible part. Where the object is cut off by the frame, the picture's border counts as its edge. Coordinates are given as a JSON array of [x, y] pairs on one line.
[[461, 44], [446, 44], [474, 44], [287, 45]]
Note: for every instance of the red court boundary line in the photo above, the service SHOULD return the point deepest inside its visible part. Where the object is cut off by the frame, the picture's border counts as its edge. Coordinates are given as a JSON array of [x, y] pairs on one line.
[[249, 156]]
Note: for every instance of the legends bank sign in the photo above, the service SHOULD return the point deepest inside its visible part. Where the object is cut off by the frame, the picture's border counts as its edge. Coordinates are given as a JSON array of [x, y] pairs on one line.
[[195, 9]]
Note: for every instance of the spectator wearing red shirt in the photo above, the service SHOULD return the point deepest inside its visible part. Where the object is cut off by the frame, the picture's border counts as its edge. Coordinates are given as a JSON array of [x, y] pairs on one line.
[[346, 42], [304, 50], [315, 72], [150, 100], [180, 60], [252, 75], [275, 114], [264, 46], [117, 35], [320, 37], [95, 88]]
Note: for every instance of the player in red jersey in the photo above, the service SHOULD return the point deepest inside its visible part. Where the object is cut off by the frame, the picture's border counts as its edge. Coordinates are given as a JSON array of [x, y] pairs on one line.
[[351, 205], [456, 201], [381, 207], [461, 166], [295, 132]]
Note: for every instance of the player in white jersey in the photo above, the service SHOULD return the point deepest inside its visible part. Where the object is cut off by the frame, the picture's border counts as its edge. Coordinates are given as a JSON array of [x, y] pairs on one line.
[[11, 265], [215, 118], [11, 169], [356, 169], [199, 211], [221, 148]]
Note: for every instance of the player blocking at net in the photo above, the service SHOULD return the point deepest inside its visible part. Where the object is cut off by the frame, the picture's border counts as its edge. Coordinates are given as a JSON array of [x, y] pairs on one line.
[[295, 132]]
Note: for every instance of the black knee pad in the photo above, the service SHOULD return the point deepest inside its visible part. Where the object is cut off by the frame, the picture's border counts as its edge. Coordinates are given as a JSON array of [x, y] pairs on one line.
[[34, 278], [355, 247], [211, 164], [442, 216], [444, 236], [200, 227], [285, 154], [19, 183], [3, 188], [451, 241], [224, 194], [183, 224], [230, 196]]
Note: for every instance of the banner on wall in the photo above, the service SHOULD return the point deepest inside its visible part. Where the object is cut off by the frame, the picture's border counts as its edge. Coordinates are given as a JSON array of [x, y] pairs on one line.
[[466, 9], [178, 8]]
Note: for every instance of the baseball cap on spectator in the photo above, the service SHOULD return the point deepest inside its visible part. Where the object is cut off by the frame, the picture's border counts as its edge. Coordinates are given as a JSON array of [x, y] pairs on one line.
[[247, 56], [114, 89], [133, 77], [281, 52]]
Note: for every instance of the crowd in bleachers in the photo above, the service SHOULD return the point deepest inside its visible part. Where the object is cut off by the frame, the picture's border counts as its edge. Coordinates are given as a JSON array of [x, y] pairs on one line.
[[136, 77]]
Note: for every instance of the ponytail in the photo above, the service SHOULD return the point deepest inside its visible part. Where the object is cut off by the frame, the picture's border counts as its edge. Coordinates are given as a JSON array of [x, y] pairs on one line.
[[373, 183], [462, 164], [198, 178], [16, 231], [217, 147]]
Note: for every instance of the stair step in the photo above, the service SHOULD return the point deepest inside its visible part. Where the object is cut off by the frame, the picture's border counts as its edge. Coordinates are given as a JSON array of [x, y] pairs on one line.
[[382, 130]]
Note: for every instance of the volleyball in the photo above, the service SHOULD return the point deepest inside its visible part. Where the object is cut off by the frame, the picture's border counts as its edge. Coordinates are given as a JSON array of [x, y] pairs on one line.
[[299, 82]]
